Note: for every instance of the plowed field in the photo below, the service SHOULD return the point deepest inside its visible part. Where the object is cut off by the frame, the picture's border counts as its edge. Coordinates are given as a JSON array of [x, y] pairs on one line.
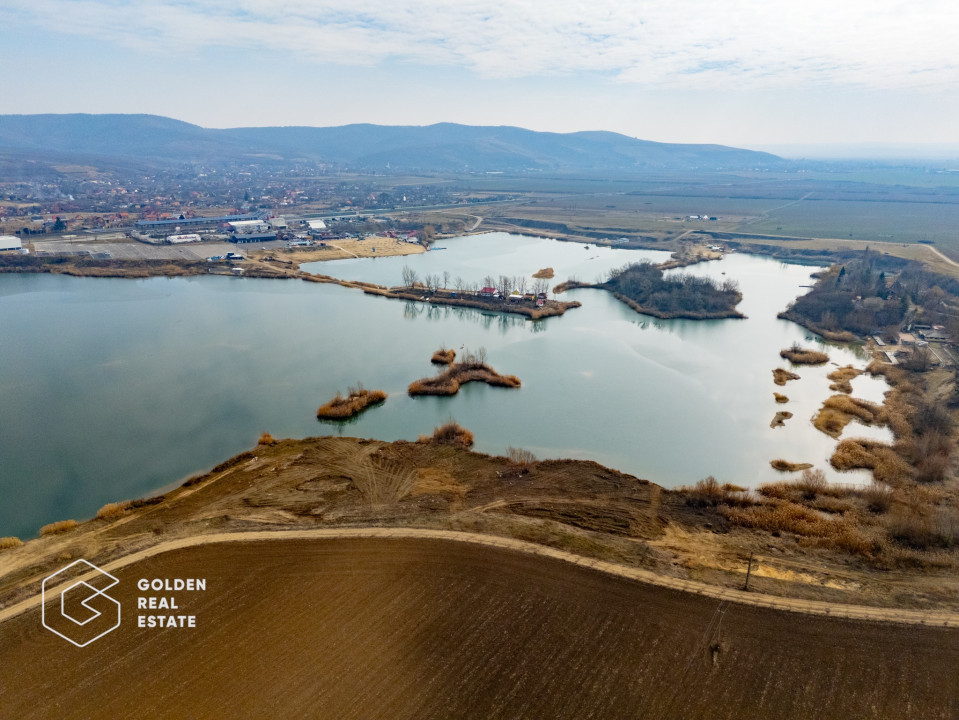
[[406, 628]]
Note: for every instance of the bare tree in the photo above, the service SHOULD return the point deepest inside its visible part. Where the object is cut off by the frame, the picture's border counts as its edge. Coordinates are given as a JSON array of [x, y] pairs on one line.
[[446, 279], [541, 286], [488, 281], [432, 282], [409, 276], [505, 285], [521, 284], [459, 284]]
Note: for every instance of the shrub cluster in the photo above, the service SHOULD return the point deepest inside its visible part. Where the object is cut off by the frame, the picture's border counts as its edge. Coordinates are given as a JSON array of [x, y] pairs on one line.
[[357, 400]]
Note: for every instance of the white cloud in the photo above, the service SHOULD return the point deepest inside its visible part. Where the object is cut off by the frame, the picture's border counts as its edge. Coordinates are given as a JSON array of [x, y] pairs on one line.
[[733, 44]]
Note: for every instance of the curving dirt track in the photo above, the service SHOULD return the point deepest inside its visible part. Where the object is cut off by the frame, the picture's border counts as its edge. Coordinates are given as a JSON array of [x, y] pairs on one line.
[[385, 627]]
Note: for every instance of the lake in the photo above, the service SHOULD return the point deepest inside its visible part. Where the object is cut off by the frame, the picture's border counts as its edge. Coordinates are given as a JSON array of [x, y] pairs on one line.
[[113, 388]]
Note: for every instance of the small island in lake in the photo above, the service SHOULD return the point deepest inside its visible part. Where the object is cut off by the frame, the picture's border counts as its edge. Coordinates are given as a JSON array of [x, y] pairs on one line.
[[646, 290], [803, 356], [343, 408], [443, 356], [472, 368]]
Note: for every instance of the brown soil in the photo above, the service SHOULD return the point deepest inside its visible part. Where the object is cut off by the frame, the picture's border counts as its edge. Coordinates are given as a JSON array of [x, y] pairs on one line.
[[545, 274], [409, 628]]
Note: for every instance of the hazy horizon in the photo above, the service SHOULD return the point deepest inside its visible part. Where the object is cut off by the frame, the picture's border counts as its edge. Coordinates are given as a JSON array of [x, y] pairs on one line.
[[737, 74]]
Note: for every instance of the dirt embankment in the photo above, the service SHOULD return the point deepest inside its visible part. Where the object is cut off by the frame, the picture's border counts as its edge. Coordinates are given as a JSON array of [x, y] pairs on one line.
[[820, 553]]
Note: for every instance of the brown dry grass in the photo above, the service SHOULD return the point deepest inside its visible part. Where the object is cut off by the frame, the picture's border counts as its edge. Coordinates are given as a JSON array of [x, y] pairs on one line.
[[6, 543], [434, 481], [886, 464], [112, 511], [781, 376], [786, 466], [778, 516], [925, 528], [803, 356], [60, 526], [450, 433], [842, 377], [709, 492], [443, 356], [358, 400], [781, 399], [449, 382], [266, 439], [839, 410], [545, 274]]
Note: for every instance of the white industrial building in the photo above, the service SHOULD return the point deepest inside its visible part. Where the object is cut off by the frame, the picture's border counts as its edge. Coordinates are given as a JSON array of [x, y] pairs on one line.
[[248, 226], [187, 238], [10, 242], [316, 224]]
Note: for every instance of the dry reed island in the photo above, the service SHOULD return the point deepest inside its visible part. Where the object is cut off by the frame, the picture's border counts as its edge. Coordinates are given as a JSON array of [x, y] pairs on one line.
[[472, 368], [356, 401]]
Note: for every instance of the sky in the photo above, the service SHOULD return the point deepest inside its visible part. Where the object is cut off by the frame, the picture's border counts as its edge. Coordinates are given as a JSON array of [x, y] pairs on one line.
[[750, 73]]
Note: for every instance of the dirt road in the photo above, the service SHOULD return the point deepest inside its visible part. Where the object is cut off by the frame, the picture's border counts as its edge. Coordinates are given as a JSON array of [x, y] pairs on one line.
[[850, 612]]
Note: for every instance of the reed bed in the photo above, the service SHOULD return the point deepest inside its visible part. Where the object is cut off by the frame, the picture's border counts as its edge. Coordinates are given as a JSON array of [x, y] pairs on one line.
[[842, 377], [450, 433], [782, 376], [803, 356], [786, 466], [449, 382], [443, 356], [60, 526], [839, 410], [357, 400]]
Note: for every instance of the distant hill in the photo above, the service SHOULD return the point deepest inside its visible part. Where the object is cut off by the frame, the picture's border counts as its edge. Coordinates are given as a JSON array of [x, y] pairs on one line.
[[444, 147]]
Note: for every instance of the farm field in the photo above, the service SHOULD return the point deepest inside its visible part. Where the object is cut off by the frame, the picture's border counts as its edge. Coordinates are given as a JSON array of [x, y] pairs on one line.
[[901, 222], [381, 628]]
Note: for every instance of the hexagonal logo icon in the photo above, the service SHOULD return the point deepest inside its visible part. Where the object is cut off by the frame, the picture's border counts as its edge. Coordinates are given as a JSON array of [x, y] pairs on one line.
[[84, 612]]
